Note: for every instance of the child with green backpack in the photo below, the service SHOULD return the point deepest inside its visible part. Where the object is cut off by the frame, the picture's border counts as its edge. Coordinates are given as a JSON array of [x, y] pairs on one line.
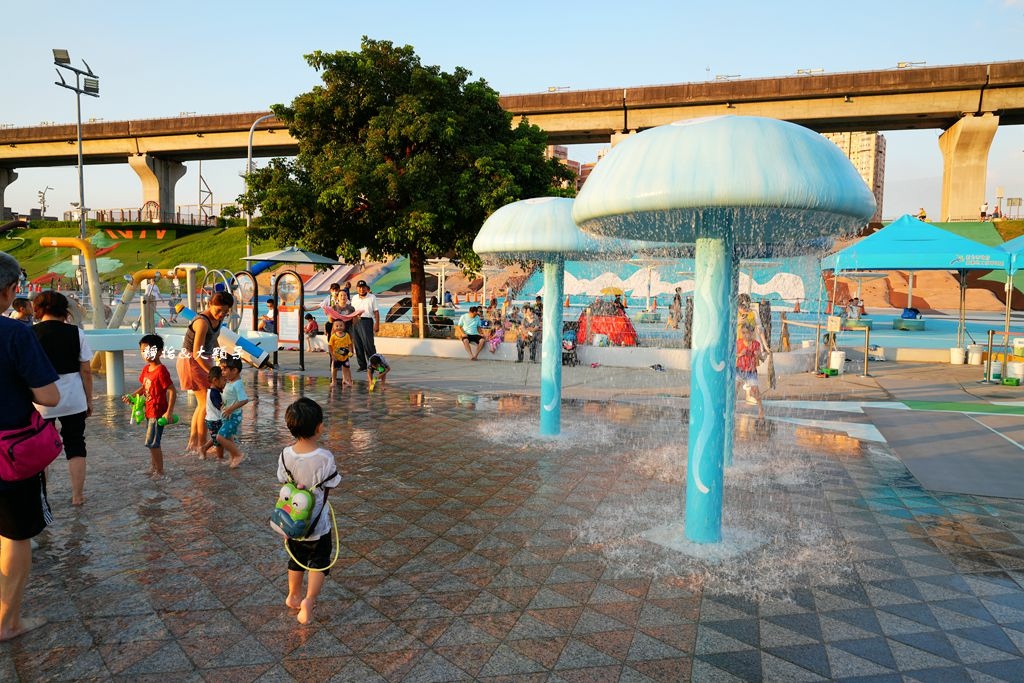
[[302, 515]]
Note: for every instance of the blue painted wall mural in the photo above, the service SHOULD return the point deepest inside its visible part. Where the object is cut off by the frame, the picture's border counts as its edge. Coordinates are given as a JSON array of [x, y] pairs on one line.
[[783, 282]]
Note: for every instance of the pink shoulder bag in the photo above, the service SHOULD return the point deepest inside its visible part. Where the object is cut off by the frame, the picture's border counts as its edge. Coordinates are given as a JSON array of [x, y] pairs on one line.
[[27, 451]]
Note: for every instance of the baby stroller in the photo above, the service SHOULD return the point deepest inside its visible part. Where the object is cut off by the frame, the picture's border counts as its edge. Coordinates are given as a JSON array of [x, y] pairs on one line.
[[569, 329]]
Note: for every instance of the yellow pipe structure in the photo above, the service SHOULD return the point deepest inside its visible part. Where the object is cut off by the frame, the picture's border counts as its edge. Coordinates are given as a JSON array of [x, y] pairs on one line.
[[92, 274], [129, 291]]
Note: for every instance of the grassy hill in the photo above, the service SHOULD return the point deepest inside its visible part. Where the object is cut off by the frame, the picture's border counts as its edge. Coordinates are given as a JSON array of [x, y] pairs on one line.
[[221, 248]]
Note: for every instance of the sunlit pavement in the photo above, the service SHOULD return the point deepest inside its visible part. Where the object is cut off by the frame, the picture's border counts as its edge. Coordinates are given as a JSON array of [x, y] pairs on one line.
[[473, 549]]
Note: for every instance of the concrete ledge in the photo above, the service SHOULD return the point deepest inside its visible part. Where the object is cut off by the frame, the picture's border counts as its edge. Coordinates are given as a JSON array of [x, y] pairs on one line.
[[910, 355], [799, 360]]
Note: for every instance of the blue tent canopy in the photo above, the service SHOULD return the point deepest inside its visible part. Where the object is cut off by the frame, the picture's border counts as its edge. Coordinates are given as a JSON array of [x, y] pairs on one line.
[[1015, 249], [910, 244]]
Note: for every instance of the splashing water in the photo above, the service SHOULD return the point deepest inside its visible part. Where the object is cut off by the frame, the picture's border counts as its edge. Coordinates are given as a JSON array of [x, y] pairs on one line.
[[518, 436], [778, 533]]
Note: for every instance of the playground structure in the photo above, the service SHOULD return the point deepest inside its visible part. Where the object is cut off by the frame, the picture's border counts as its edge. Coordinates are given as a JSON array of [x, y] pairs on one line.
[[112, 340], [733, 187], [92, 275]]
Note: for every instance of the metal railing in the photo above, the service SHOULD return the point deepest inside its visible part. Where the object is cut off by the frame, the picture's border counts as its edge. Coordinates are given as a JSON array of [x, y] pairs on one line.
[[817, 327]]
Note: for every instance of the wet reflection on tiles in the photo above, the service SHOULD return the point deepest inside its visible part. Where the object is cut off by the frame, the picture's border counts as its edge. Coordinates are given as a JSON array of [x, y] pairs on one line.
[[471, 548]]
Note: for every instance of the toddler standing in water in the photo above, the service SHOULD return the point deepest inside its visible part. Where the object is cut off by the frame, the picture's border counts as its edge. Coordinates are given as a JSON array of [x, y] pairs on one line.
[[214, 418], [157, 387], [748, 354], [308, 466], [341, 350], [234, 397]]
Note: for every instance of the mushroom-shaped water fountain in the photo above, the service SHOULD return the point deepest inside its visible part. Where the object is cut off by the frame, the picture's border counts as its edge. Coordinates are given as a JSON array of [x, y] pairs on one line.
[[543, 229], [733, 186]]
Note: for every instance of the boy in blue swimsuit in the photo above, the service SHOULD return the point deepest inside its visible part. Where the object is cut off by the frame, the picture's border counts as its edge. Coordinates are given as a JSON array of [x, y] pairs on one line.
[[234, 398]]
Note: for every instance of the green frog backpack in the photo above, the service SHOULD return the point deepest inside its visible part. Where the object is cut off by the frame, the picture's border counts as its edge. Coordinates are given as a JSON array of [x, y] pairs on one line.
[[295, 506]]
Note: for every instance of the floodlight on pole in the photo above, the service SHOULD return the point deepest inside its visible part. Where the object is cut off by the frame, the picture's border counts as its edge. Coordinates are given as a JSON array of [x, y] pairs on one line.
[[248, 170], [90, 87]]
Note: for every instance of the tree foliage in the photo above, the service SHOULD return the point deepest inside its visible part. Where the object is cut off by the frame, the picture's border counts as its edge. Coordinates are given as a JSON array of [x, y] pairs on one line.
[[397, 157]]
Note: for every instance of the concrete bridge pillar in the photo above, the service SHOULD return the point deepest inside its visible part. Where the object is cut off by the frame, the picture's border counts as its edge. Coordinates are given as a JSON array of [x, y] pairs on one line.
[[618, 136], [159, 177], [965, 147], [7, 176]]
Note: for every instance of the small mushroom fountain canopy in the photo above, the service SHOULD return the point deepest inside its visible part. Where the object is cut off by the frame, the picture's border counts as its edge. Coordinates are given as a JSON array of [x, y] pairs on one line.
[[542, 229], [732, 186]]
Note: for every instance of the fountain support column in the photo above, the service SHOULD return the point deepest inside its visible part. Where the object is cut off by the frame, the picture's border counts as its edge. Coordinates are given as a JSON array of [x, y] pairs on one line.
[[710, 374], [551, 349], [730, 386]]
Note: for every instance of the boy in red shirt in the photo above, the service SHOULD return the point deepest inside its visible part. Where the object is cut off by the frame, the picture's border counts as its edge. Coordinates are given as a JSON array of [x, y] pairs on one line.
[[157, 387], [748, 354]]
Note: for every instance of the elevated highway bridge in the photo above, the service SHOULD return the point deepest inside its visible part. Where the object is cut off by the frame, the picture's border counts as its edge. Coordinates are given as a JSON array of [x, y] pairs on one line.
[[968, 102]]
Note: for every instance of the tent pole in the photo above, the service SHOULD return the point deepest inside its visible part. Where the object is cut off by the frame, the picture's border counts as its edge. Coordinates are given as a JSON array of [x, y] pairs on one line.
[[962, 331], [817, 330], [1006, 336], [835, 286], [910, 289]]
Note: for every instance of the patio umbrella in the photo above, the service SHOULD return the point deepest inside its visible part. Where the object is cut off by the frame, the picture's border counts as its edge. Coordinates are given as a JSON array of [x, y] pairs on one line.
[[612, 291], [293, 255]]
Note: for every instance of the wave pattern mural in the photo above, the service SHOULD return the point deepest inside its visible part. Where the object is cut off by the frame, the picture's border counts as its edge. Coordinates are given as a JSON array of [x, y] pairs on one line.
[[789, 280]]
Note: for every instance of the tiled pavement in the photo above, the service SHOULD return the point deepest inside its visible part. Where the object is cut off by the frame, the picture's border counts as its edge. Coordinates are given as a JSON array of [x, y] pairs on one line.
[[473, 550]]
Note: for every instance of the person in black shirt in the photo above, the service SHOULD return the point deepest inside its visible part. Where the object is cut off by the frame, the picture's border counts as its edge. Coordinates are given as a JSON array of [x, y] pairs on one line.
[[26, 375]]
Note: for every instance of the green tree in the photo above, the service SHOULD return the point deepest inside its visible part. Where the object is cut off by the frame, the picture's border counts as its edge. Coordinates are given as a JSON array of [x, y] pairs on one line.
[[397, 157]]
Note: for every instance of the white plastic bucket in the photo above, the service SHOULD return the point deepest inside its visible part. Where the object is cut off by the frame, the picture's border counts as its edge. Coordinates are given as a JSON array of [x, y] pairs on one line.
[[996, 370], [956, 355], [837, 361], [974, 354], [1014, 369]]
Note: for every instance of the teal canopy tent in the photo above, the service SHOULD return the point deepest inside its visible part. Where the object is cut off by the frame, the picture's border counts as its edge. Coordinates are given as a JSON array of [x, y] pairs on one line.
[[910, 244]]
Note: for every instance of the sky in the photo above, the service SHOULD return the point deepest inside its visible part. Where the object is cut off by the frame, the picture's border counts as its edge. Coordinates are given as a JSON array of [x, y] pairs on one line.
[[163, 59]]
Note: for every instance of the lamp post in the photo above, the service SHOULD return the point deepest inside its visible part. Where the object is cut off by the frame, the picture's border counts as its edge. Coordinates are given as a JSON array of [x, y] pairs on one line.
[[88, 83], [248, 170], [42, 201]]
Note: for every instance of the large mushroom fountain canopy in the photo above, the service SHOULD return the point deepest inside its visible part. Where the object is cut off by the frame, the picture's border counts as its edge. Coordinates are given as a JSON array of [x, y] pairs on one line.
[[541, 229], [772, 184]]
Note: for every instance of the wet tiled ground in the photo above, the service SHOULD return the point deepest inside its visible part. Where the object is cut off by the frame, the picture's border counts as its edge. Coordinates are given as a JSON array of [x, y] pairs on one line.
[[471, 549]]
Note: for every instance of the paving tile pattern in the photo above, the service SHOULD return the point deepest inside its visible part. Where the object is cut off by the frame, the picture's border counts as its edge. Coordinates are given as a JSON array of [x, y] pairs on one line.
[[464, 556]]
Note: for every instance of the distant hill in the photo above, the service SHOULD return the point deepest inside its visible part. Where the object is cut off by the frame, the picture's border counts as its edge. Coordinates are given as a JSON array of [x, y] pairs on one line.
[[220, 248]]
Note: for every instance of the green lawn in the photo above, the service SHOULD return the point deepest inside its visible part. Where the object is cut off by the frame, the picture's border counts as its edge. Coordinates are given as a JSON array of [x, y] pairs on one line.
[[214, 248]]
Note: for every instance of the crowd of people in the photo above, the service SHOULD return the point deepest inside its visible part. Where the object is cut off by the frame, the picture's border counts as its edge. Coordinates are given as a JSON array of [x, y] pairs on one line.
[[489, 327], [45, 367]]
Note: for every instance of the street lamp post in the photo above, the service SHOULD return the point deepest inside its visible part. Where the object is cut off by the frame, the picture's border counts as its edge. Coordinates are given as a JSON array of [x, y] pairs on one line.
[[248, 170], [87, 83], [42, 201]]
